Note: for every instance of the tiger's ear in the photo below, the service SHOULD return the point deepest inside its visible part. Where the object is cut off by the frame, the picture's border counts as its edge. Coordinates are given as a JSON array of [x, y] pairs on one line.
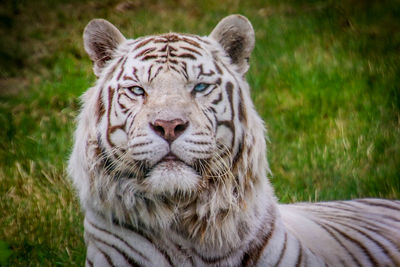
[[236, 36], [100, 39]]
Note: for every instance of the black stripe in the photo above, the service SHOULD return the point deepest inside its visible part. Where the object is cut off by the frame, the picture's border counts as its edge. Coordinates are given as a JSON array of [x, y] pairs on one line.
[[106, 256], [368, 236], [334, 205], [238, 155], [219, 70], [199, 151], [159, 40], [145, 51], [138, 231], [197, 142], [116, 127], [134, 72], [89, 262], [201, 133], [387, 238], [187, 55], [242, 109], [129, 95], [305, 259], [110, 74], [184, 70], [265, 241], [211, 90], [191, 50], [167, 48], [338, 240], [172, 61], [100, 110], [140, 153], [156, 73], [148, 57], [227, 124], [132, 117], [229, 91], [358, 243], [172, 38], [252, 256], [110, 98], [300, 255], [218, 100], [192, 42], [234, 76], [207, 117], [161, 61], [202, 73], [122, 68], [373, 226], [127, 258], [120, 239], [379, 204], [283, 250], [175, 69], [125, 78], [141, 144], [143, 43], [149, 72], [353, 209]]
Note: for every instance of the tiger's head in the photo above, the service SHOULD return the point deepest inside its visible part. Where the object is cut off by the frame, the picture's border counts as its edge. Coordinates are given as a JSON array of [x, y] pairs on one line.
[[169, 132]]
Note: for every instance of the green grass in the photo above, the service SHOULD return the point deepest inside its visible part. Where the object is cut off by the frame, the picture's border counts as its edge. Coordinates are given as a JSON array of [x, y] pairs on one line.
[[325, 78]]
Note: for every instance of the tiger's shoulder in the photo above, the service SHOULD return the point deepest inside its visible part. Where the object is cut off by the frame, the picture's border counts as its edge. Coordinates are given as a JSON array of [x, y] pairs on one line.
[[359, 231]]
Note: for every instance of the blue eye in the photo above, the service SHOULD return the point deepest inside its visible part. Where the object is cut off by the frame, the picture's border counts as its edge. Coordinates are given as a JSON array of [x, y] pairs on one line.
[[137, 90], [200, 87]]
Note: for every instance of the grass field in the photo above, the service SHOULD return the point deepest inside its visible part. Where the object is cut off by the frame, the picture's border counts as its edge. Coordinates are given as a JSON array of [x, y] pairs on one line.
[[325, 77]]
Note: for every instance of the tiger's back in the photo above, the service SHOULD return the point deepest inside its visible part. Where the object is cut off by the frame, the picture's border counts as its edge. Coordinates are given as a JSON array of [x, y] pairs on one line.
[[362, 232]]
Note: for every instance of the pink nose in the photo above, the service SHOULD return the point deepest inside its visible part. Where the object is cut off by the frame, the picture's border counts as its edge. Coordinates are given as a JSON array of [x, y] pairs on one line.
[[169, 130]]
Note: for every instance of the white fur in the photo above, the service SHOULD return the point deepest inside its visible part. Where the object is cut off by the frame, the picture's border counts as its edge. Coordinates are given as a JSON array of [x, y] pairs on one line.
[[173, 215]]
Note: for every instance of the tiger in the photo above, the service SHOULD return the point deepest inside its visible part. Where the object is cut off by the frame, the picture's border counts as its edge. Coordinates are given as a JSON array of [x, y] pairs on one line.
[[170, 164]]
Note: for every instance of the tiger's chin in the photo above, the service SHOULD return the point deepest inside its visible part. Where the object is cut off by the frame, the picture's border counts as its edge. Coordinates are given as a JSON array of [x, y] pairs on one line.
[[172, 177]]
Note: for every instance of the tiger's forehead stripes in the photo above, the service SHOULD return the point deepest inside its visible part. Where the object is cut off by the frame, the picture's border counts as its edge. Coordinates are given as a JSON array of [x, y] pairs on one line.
[[165, 46], [187, 55], [122, 67], [145, 52]]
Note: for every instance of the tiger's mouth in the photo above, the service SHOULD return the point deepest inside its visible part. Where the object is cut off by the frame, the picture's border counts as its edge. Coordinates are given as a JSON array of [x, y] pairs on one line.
[[169, 157], [171, 161]]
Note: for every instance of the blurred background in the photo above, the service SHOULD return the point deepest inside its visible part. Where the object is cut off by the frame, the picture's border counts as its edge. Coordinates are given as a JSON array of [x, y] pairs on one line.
[[325, 77]]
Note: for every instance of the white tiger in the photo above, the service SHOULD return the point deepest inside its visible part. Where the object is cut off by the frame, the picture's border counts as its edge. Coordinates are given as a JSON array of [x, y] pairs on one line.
[[170, 164]]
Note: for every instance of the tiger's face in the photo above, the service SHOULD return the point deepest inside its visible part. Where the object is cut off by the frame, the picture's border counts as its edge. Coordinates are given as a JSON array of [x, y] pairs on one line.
[[164, 122], [169, 121], [167, 109]]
